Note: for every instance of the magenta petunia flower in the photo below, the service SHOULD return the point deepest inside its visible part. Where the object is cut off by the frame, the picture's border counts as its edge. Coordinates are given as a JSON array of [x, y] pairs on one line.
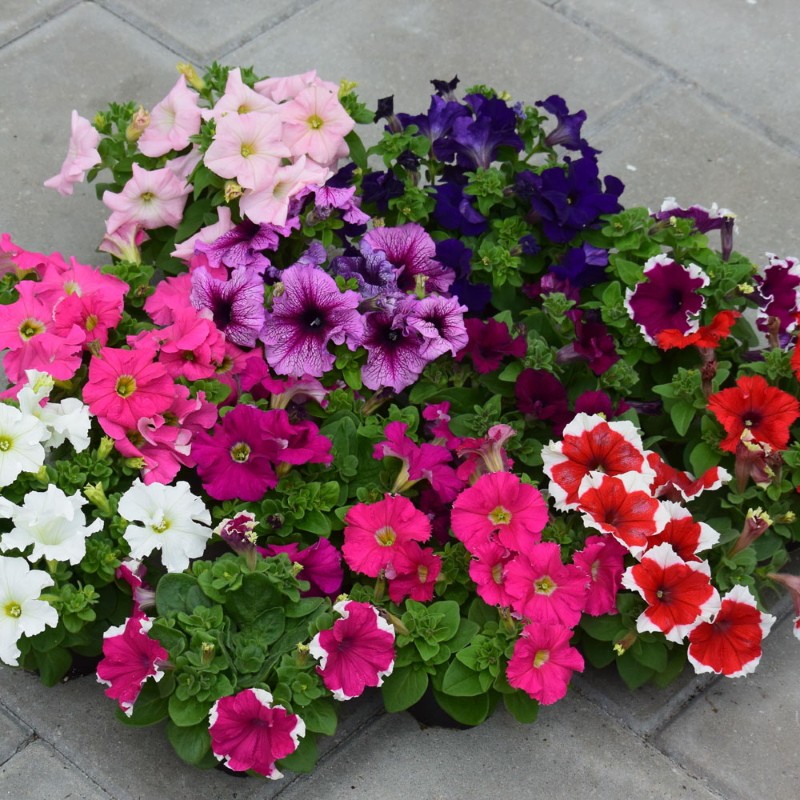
[[321, 565], [415, 571], [125, 386], [499, 507], [543, 662], [488, 570], [248, 732], [357, 652], [130, 657], [668, 298], [544, 589], [236, 461], [295, 443], [602, 560], [192, 346], [305, 317], [375, 534]]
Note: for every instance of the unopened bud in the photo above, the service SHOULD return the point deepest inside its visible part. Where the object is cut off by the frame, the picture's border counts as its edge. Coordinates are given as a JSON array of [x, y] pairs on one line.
[[192, 78], [105, 447], [346, 87], [138, 124], [232, 191]]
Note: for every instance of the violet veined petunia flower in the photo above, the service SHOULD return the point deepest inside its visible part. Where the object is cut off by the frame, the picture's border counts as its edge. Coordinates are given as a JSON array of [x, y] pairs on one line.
[[372, 270], [237, 305], [305, 317], [440, 322]]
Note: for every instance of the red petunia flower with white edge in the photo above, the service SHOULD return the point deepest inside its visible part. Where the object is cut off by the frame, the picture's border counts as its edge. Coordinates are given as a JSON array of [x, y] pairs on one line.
[[622, 506], [686, 536], [766, 411], [677, 485], [591, 444], [357, 652], [374, 534], [602, 559], [130, 657], [499, 506], [543, 662], [731, 644], [248, 732], [679, 594]]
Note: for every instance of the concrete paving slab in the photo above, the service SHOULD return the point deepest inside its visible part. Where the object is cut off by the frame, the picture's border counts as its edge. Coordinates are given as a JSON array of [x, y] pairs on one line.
[[679, 146], [39, 772], [744, 52], [520, 46], [19, 16], [81, 60], [80, 722], [13, 735], [573, 751], [743, 732], [198, 29]]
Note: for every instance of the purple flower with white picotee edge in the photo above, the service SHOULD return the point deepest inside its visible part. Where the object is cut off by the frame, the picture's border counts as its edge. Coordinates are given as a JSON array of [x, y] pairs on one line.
[[668, 298], [778, 296], [237, 305], [309, 313]]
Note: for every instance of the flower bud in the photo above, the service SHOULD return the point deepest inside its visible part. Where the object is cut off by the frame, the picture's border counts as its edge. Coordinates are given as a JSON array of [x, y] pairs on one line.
[[192, 78], [232, 190], [138, 124]]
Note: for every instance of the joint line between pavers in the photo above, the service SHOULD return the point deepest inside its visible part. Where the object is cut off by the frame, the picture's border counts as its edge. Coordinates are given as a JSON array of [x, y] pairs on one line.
[[30, 739], [52, 14]]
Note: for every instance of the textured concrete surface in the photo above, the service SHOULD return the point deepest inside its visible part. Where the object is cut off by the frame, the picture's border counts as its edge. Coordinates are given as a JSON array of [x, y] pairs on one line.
[[696, 100]]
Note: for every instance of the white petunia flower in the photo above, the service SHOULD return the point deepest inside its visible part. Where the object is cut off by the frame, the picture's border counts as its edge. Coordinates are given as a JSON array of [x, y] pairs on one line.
[[171, 517], [53, 523], [20, 444], [22, 613]]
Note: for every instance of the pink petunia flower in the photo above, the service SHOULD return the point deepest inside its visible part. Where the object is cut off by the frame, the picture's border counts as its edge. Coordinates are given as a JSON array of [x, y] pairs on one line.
[[375, 534], [499, 507], [602, 560], [730, 644], [172, 121], [192, 346], [488, 570], [123, 386], [357, 652], [321, 565], [152, 199], [82, 155], [206, 235], [248, 732], [130, 657], [94, 313], [543, 662], [280, 88], [239, 98], [679, 594], [543, 589]]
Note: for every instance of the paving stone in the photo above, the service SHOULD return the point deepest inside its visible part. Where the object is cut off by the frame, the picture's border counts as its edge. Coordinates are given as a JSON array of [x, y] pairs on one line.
[[744, 732], [681, 147], [38, 771], [744, 52], [19, 16], [80, 722], [12, 735], [81, 60], [197, 28], [522, 47], [573, 750]]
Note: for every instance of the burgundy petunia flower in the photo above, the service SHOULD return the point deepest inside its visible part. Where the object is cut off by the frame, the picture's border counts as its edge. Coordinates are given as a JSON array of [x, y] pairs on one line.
[[543, 396], [489, 342]]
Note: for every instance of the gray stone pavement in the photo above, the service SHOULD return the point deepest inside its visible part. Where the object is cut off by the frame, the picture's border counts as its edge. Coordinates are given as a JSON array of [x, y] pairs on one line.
[[695, 100]]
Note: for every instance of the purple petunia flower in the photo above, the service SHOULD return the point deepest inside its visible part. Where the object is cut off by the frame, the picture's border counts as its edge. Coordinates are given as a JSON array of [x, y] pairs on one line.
[[437, 125], [582, 266], [454, 254], [477, 141], [242, 246], [237, 305], [567, 132], [454, 211], [373, 271], [440, 322], [309, 313], [705, 220], [412, 251], [668, 298], [778, 295]]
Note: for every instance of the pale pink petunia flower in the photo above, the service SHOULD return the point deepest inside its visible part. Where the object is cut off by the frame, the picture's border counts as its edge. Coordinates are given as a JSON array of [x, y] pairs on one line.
[[172, 121], [239, 98], [153, 198], [82, 155], [208, 234], [247, 148], [279, 89]]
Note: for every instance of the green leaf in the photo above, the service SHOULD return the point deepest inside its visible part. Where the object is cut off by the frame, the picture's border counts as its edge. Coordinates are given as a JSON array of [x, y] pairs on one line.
[[304, 759], [190, 743], [628, 271], [53, 665], [251, 599], [185, 713], [178, 592], [314, 522], [448, 626], [481, 613], [598, 654], [703, 457], [676, 661], [682, 414], [632, 672], [461, 681], [606, 628], [467, 631], [150, 707], [650, 654], [466, 710], [320, 717], [358, 153], [522, 707], [403, 688]]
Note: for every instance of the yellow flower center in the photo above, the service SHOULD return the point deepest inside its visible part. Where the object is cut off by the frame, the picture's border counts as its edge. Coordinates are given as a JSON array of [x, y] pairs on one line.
[[500, 516], [497, 573], [160, 527], [544, 585], [243, 109], [385, 536], [315, 122], [240, 452], [5, 443], [91, 322], [247, 150], [29, 328], [541, 657], [13, 609], [422, 573], [126, 385], [147, 196]]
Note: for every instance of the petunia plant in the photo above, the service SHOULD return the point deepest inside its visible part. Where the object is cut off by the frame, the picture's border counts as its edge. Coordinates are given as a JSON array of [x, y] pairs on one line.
[[438, 418]]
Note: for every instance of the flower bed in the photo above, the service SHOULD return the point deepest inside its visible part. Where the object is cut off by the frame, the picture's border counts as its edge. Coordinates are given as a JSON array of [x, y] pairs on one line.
[[437, 416]]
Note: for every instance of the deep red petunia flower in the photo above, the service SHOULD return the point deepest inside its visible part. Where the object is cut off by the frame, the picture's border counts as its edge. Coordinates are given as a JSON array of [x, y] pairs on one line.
[[679, 594], [591, 444], [766, 411], [731, 644]]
